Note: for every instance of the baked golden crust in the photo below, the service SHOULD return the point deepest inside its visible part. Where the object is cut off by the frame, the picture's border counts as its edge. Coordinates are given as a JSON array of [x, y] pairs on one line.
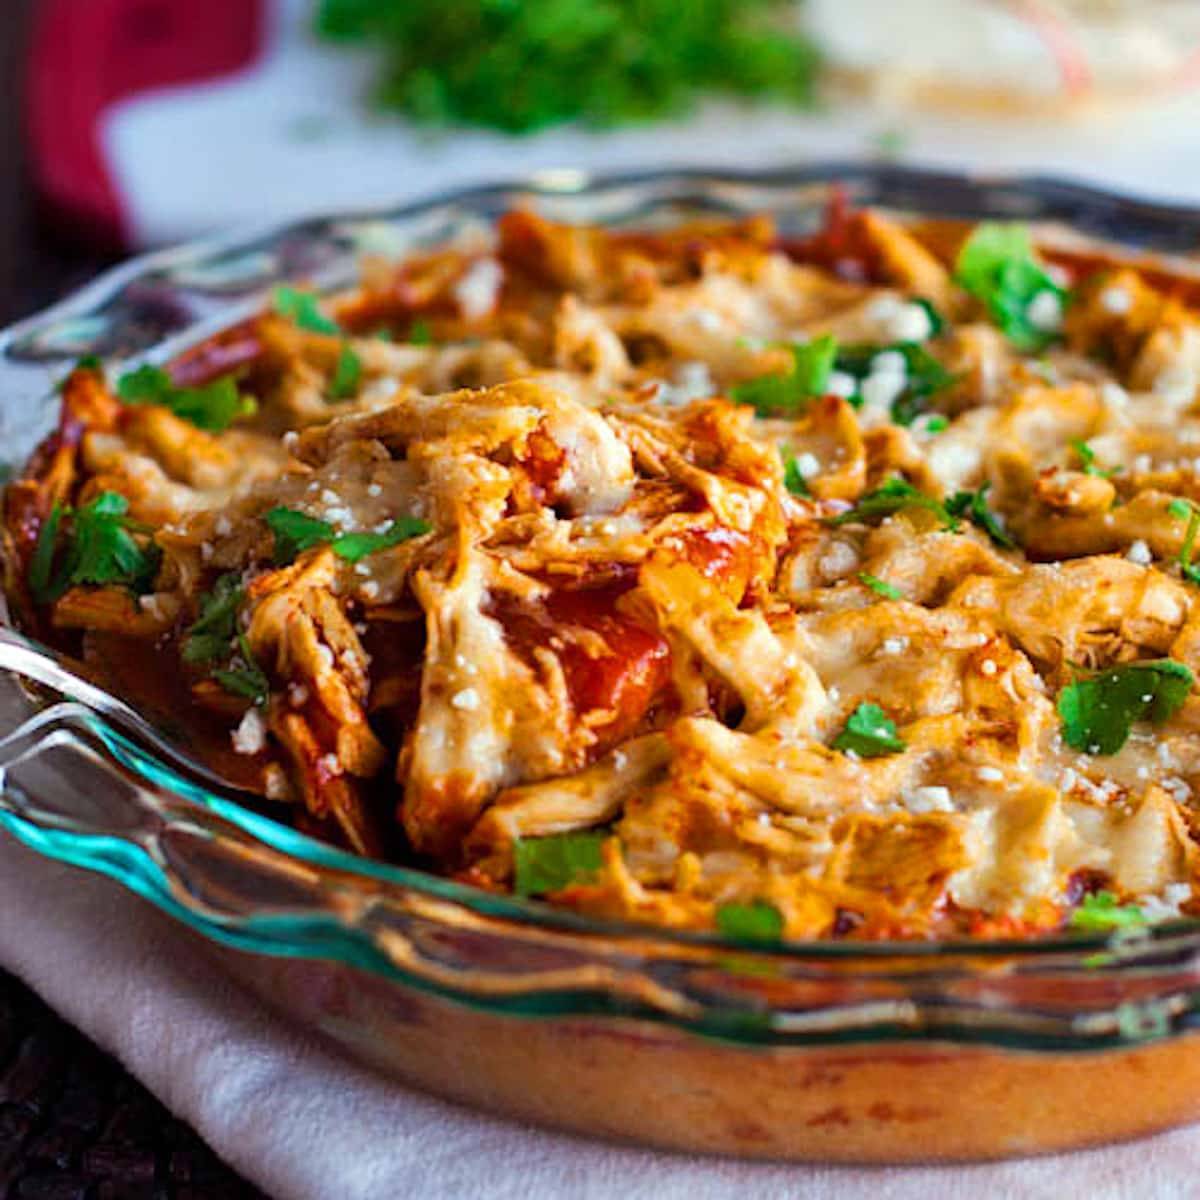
[[613, 587]]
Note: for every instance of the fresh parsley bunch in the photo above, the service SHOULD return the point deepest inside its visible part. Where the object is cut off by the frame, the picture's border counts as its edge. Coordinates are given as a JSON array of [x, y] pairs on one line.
[[522, 65]]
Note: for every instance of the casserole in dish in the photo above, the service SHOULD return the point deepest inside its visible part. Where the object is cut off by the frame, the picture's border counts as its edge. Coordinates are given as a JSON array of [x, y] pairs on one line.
[[813, 584]]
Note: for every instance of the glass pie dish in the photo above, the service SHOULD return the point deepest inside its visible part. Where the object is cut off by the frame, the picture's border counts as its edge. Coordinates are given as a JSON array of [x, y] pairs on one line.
[[819, 1050]]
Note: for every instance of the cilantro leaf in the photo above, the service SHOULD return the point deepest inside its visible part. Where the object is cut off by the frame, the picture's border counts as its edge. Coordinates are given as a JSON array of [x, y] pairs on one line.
[[419, 333], [1186, 509], [974, 506], [788, 395], [213, 407], [303, 309], [347, 375], [893, 497], [353, 546], [296, 532], [793, 480], [549, 864], [758, 921], [41, 564], [214, 629], [1100, 911], [244, 677], [997, 265], [869, 733], [879, 586], [937, 323], [99, 548], [1098, 712], [924, 375], [1087, 460]]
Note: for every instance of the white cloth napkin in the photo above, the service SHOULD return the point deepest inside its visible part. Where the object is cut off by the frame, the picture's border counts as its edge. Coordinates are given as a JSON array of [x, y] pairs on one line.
[[304, 1123]]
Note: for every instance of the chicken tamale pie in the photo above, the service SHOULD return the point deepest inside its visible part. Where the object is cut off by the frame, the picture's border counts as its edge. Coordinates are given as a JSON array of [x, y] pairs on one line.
[[845, 587]]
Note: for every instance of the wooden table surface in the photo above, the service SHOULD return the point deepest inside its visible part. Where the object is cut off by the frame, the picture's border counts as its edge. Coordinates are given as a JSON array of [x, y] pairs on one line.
[[73, 1124]]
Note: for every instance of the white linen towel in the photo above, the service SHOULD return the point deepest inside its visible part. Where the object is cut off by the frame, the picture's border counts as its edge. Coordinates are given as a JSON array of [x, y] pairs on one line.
[[303, 1123]]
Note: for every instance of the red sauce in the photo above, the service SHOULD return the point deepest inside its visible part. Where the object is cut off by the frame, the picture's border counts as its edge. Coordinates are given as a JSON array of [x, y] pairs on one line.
[[625, 679]]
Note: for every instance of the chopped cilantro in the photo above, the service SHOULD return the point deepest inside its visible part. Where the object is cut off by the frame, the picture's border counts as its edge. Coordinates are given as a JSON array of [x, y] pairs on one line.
[[303, 309], [924, 375], [974, 506], [869, 733], [549, 864], [213, 632], [1185, 509], [787, 395], [296, 532], [523, 66], [1101, 911], [1087, 460], [213, 407], [244, 677], [880, 587], [353, 546], [758, 921], [347, 375], [419, 333], [1098, 712], [100, 548], [41, 564], [937, 323], [793, 480], [997, 265], [893, 497], [937, 423]]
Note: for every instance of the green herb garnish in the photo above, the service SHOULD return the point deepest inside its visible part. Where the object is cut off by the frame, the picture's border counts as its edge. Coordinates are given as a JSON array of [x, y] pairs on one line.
[[303, 309], [1087, 460], [1101, 911], [997, 265], [296, 532], [244, 677], [1098, 712], [788, 395], [938, 423], [924, 375], [758, 921], [524, 66], [869, 733], [549, 864], [880, 587], [1186, 510], [893, 497], [213, 407], [100, 548], [419, 334], [347, 375], [793, 480], [213, 632], [974, 506]]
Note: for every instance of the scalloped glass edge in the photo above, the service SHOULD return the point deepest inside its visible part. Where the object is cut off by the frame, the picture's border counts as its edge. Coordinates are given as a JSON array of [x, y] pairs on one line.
[[1166, 229]]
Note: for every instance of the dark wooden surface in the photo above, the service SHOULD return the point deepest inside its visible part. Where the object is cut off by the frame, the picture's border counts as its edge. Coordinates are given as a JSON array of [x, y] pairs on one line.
[[73, 1124]]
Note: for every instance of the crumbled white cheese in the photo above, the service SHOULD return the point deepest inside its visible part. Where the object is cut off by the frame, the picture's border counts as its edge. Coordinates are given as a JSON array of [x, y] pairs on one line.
[[477, 291], [988, 667], [373, 489], [1139, 553], [692, 381], [928, 799], [889, 362], [250, 737], [330, 763], [990, 774], [840, 383], [1116, 300], [297, 695], [807, 465], [894, 645], [465, 701], [290, 440], [1044, 312], [325, 654], [880, 390], [370, 589], [1167, 903], [706, 319]]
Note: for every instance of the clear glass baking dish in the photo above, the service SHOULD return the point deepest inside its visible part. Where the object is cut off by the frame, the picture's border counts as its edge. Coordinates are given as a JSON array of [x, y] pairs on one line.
[[830, 1050]]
